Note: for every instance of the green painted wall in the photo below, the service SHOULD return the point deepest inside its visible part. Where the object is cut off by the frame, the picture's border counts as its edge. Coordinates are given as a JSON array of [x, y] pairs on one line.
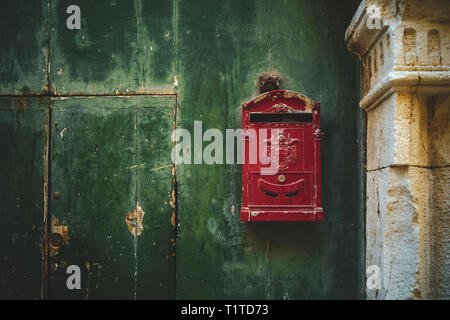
[[222, 49], [195, 60]]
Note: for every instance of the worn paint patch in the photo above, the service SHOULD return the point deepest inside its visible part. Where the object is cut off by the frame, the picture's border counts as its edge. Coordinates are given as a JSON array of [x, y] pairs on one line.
[[24, 46], [134, 220], [136, 34]]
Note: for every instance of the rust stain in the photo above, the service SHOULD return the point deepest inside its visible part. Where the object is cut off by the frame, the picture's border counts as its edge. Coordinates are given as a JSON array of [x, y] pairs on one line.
[[58, 237], [172, 218], [260, 98], [174, 204], [18, 105], [173, 198], [45, 235], [134, 220], [116, 93], [309, 104]]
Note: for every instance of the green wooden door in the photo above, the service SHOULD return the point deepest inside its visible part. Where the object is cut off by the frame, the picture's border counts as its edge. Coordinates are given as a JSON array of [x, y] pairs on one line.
[[108, 157]]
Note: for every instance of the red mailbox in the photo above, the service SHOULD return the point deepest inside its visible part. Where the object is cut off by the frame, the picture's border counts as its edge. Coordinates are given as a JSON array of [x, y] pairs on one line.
[[288, 188]]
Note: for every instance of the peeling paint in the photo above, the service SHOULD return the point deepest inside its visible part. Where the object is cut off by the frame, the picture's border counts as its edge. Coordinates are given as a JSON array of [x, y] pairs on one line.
[[134, 220], [62, 132]]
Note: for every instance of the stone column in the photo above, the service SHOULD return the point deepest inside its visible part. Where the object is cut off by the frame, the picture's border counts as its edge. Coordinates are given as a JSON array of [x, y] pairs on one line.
[[404, 48]]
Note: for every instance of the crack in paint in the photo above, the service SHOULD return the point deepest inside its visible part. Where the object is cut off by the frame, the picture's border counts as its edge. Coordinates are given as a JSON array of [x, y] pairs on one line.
[[162, 167]]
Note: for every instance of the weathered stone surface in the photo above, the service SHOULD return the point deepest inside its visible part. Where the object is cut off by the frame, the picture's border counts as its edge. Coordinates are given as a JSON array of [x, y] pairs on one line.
[[377, 185], [440, 243], [381, 135], [406, 92], [411, 142], [395, 208], [439, 131], [408, 129]]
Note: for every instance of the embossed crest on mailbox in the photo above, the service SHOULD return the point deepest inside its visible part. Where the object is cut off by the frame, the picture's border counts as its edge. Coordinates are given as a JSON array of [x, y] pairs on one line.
[[292, 192]]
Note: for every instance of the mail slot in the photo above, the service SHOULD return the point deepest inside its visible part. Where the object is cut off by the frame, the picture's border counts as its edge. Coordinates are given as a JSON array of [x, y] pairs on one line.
[[288, 187]]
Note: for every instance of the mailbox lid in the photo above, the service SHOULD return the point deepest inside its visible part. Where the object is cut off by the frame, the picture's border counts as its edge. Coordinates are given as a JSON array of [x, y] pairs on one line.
[[278, 101], [286, 189]]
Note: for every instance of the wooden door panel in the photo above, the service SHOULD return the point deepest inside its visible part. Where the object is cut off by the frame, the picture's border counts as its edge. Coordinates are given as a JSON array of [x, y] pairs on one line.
[[22, 166], [103, 167]]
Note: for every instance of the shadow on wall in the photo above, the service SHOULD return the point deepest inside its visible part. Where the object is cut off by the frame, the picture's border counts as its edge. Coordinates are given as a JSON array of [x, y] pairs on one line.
[[285, 237]]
